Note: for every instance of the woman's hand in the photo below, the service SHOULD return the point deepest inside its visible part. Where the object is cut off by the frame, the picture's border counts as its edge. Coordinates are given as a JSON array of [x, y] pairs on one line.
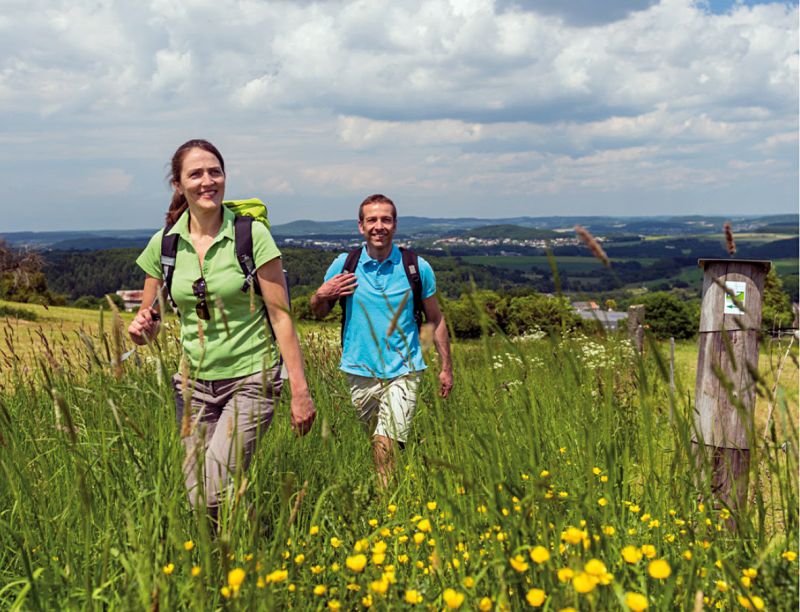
[[303, 412], [144, 326], [273, 290]]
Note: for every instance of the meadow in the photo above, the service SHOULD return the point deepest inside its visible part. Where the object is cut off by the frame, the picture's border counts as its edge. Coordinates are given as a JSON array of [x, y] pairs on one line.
[[558, 475]]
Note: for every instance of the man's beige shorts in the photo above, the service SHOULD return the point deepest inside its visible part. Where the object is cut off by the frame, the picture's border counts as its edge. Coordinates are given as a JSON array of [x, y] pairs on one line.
[[385, 406]]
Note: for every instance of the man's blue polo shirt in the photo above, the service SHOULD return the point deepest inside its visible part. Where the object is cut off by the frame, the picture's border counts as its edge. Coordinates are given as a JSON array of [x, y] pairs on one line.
[[368, 351]]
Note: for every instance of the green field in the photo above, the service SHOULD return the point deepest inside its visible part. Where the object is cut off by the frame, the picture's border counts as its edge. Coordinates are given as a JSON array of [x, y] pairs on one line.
[[554, 477]]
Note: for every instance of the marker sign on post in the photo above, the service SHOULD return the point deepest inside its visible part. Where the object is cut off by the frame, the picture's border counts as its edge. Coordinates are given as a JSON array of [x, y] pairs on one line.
[[737, 288]]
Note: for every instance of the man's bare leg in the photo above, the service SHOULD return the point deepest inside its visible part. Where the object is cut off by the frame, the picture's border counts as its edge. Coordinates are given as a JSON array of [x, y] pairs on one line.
[[383, 456]]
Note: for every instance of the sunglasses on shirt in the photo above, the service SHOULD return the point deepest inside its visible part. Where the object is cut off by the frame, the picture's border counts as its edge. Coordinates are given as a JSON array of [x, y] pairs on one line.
[[199, 290]]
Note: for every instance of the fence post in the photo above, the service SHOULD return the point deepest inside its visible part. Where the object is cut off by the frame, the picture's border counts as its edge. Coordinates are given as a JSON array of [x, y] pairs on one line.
[[636, 325], [725, 389]]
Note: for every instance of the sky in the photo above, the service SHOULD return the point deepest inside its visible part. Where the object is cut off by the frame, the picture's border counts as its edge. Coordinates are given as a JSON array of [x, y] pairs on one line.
[[484, 108]]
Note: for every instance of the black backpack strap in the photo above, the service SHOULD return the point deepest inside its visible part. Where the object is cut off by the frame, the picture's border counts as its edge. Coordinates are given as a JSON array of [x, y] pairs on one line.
[[411, 266], [243, 237], [169, 251], [350, 265]]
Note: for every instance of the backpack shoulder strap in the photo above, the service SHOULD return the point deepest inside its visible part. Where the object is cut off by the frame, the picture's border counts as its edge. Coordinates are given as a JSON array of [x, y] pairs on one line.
[[169, 251], [350, 265], [243, 238], [411, 266]]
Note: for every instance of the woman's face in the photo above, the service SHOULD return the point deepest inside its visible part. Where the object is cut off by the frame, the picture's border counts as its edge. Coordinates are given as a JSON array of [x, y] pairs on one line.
[[202, 180]]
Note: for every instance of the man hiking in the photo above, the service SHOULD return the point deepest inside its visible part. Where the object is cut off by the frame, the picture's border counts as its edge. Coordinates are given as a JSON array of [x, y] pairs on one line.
[[383, 291]]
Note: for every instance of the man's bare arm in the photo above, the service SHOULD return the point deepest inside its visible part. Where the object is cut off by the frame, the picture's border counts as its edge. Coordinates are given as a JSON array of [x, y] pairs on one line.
[[441, 340]]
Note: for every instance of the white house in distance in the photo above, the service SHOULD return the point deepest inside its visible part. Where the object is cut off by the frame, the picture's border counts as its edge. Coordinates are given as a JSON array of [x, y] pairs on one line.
[[132, 298], [610, 319]]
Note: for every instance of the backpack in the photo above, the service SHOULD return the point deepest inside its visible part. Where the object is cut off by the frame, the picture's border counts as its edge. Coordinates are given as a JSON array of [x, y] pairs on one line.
[[246, 211], [411, 267]]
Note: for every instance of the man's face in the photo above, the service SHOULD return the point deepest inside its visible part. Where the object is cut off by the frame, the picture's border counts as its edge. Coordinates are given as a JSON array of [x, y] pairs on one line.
[[378, 225]]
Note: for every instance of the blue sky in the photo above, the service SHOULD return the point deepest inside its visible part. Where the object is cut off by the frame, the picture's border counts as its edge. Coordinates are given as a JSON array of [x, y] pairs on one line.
[[483, 108]]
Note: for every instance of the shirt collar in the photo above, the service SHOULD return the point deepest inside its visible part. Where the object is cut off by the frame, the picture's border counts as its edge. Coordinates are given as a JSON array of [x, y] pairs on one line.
[[181, 226], [395, 256]]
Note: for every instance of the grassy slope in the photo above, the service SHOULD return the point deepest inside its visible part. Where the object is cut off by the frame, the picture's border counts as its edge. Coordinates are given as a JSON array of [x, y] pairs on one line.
[[508, 463]]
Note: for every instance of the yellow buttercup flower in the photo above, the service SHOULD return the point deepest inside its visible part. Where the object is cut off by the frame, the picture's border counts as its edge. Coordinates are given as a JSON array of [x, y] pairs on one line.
[[596, 471], [225, 592], [565, 574], [299, 559], [746, 581], [659, 569], [334, 604], [320, 589], [789, 555], [379, 586], [188, 545], [595, 567], [391, 508], [750, 572], [754, 602], [648, 550], [468, 582], [535, 597], [609, 530], [366, 601], [379, 547], [361, 545], [196, 571], [636, 602], [485, 604], [356, 563], [424, 525], [573, 535], [431, 505], [413, 597], [602, 502], [539, 554], [584, 583], [518, 563], [277, 576], [722, 586], [373, 522], [317, 569], [314, 530], [631, 554], [168, 568], [236, 578], [453, 599], [336, 542], [419, 538]]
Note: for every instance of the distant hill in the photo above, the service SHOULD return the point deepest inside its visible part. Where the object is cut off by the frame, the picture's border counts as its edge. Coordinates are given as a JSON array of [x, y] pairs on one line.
[[431, 227]]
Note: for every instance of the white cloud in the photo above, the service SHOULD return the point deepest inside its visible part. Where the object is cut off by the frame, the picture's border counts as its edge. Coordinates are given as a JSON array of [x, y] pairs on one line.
[[104, 182], [432, 97]]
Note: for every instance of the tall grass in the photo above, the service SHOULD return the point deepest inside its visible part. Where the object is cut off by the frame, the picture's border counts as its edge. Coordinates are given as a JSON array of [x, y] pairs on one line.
[[561, 443]]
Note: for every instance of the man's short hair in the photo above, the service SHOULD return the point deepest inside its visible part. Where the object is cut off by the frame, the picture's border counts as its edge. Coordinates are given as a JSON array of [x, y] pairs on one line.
[[376, 198]]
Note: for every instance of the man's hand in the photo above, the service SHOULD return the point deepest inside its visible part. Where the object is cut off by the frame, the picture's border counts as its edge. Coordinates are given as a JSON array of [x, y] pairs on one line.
[[341, 285], [303, 413], [445, 382]]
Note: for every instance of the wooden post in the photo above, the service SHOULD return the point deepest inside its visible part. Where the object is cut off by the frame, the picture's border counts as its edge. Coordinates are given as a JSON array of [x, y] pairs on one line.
[[725, 390], [636, 325]]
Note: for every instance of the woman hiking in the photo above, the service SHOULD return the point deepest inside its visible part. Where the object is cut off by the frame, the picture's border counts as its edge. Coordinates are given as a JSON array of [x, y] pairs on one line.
[[232, 358]]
